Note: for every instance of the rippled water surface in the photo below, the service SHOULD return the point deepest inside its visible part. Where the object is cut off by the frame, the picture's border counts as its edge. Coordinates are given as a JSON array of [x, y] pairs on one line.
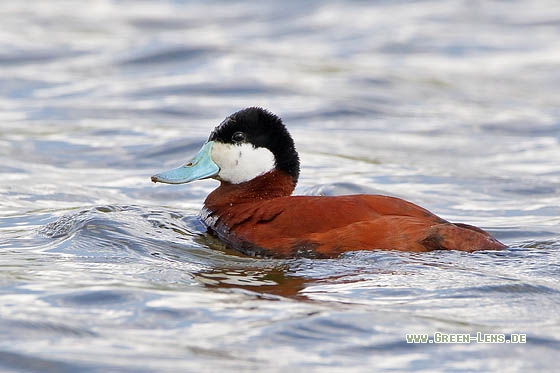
[[454, 105]]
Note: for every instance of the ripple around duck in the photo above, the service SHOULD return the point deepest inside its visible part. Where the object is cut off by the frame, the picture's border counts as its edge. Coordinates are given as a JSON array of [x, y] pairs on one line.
[[121, 231], [130, 234]]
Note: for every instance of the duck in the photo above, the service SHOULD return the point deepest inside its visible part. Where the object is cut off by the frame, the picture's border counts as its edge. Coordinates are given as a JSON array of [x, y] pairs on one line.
[[253, 156]]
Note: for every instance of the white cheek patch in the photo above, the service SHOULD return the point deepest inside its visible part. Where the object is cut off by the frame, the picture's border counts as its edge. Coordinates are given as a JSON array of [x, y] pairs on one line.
[[242, 162]]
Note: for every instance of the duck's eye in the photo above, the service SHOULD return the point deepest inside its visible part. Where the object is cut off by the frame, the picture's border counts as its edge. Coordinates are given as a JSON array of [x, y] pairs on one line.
[[238, 137]]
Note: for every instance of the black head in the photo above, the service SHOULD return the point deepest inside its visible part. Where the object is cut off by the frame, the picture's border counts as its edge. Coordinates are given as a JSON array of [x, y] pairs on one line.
[[262, 129]]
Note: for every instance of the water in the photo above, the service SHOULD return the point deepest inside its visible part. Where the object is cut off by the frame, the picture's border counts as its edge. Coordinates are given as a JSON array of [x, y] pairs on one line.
[[453, 105]]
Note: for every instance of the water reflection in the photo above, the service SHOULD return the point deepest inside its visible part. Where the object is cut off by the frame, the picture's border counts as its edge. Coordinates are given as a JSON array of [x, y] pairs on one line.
[[273, 281]]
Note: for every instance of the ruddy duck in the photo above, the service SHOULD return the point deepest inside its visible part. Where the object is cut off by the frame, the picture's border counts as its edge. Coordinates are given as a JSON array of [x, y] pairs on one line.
[[253, 156]]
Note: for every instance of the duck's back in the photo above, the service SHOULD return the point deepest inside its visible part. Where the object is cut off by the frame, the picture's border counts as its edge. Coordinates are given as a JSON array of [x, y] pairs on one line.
[[318, 226]]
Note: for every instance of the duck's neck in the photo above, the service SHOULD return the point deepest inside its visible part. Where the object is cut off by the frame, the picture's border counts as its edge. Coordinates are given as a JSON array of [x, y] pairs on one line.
[[270, 185]]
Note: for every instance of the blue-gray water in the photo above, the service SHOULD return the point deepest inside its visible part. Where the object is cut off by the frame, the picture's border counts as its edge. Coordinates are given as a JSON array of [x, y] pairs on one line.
[[453, 105]]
